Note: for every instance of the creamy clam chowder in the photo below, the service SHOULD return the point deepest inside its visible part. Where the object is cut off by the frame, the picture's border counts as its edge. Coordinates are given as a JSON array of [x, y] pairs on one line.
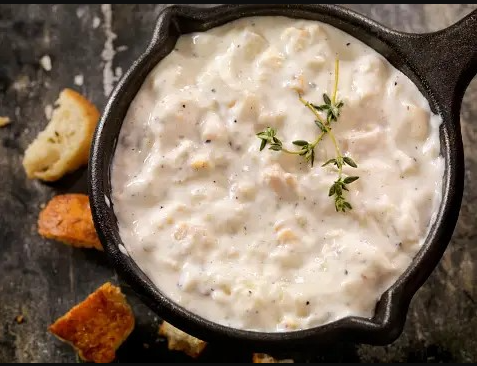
[[248, 238]]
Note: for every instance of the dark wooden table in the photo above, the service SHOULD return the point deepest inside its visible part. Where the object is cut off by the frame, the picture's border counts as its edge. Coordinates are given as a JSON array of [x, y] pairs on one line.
[[42, 279]]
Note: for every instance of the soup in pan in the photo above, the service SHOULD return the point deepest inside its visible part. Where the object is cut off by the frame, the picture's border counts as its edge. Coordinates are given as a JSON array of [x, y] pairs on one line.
[[219, 186]]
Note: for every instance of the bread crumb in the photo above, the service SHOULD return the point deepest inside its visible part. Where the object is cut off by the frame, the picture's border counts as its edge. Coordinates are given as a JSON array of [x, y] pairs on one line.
[[97, 326], [118, 72], [96, 22], [20, 319], [4, 121], [177, 340], [80, 12], [45, 62], [48, 111], [79, 80]]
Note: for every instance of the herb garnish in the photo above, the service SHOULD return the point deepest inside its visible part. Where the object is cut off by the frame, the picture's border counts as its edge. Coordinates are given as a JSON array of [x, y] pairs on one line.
[[331, 108]]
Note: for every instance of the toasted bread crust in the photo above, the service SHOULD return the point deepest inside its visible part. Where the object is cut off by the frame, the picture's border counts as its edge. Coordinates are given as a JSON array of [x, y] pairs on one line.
[[177, 340], [67, 218], [91, 121], [97, 326]]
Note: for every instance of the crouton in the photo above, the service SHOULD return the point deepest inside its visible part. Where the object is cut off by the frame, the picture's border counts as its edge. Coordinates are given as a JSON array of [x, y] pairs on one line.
[[64, 145], [97, 326], [67, 218], [177, 340], [4, 121], [264, 358]]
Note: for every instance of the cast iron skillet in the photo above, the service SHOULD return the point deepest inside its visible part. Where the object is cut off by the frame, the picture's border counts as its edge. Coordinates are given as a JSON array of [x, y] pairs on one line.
[[441, 64]]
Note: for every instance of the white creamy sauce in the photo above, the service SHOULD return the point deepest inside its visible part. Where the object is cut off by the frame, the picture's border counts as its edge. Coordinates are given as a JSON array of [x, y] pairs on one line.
[[251, 239]]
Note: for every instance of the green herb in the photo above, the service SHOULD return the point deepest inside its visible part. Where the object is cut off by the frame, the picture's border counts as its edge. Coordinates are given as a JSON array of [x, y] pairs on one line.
[[306, 148], [331, 108], [340, 185], [268, 137]]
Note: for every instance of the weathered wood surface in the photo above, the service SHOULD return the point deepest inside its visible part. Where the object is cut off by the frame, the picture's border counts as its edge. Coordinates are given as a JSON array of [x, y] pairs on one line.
[[42, 279]]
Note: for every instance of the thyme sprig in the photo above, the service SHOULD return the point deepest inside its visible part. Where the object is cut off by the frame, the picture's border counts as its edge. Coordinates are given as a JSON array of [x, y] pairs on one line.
[[331, 107]]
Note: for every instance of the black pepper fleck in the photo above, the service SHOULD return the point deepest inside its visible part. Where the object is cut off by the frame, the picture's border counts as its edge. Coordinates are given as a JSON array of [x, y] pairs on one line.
[[162, 207], [395, 83], [235, 121], [346, 272], [183, 105], [213, 90], [207, 141], [347, 44], [307, 303]]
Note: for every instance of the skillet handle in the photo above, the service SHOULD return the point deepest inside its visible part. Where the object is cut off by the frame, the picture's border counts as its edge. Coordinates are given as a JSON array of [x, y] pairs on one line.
[[447, 59]]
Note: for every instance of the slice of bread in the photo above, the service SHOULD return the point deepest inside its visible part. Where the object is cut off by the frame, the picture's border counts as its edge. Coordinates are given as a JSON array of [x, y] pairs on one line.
[[64, 145], [177, 340], [97, 326], [67, 218]]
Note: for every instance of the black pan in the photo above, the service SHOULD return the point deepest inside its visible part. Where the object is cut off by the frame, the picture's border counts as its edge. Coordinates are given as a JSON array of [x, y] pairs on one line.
[[441, 64]]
